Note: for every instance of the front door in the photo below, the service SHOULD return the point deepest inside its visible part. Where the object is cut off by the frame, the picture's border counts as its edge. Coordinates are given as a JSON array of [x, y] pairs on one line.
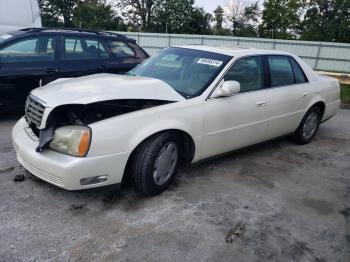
[[24, 65], [240, 120]]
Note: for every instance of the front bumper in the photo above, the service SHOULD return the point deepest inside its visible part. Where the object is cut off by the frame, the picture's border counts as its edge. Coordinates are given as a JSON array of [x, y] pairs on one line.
[[62, 170]]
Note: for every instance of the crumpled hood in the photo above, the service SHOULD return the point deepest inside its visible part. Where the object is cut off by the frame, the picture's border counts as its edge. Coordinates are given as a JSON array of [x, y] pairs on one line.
[[100, 87]]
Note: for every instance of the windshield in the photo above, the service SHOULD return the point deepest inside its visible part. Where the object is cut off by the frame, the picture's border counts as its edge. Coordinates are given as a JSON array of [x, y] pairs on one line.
[[187, 71]]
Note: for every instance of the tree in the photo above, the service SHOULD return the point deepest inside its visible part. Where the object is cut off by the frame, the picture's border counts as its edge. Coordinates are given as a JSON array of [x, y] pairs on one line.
[[180, 16], [281, 18], [244, 18], [251, 16], [139, 13], [57, 12], [97, 14], [199, 22], [49, 16], [173, 13], [327, 21], [218, 18], [234, 15]]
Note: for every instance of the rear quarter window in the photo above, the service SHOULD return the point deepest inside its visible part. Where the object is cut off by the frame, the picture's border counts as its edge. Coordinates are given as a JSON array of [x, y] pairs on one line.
[[120, 49], [298, 72]]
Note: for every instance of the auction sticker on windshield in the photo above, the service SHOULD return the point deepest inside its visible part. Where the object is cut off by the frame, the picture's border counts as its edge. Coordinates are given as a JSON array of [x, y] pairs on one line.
[[212, 62]]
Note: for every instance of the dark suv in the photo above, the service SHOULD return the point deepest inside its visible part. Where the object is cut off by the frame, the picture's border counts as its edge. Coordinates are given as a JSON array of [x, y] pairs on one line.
[[33, 57]]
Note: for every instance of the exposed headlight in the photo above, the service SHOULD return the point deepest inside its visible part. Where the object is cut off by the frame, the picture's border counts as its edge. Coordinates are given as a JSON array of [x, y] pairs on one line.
[[72, 140]]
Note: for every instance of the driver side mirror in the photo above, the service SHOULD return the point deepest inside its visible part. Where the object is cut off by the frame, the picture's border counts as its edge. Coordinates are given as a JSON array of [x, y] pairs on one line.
[[227, 88]]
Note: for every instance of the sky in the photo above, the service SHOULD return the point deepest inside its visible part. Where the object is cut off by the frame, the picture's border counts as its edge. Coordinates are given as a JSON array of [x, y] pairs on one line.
[[210, 5]]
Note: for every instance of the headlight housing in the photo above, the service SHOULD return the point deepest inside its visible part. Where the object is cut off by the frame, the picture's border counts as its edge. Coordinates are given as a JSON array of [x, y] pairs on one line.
[[72, 140]]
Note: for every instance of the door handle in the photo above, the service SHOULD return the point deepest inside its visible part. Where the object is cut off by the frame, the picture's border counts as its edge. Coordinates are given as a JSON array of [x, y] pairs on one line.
[[51, 70], [306, 94], [261, 103]]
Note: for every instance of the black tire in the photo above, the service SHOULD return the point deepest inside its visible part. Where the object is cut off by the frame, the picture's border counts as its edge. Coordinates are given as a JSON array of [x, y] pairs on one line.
[[144, 161], [300, 137]]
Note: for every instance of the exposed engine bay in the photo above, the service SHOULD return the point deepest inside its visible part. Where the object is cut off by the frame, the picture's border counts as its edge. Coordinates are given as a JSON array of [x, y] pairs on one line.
[[79, 114]]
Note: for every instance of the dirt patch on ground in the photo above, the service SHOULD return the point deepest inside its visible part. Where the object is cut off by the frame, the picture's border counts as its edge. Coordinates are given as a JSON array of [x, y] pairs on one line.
[[6, 170], [320, 206]]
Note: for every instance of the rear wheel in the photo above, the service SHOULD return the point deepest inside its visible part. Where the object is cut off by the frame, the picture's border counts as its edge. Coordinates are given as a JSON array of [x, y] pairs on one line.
[[308, 126], [155, 163]]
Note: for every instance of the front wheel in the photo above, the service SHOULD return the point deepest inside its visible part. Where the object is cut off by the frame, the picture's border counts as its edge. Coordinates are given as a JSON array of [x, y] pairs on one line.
[[308, 126], [155, 163]]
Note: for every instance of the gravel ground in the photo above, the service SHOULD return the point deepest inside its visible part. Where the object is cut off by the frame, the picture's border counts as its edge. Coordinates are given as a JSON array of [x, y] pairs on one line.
[[273, 202]]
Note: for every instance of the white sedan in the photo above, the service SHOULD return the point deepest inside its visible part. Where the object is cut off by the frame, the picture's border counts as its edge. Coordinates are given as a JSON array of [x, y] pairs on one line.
[[182, 105]]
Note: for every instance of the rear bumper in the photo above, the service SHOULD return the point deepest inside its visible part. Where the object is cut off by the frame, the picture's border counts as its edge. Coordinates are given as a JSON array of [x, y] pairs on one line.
[[62, 170]]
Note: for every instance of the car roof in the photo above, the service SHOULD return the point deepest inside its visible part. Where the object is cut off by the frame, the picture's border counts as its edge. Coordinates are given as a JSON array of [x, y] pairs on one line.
[[74, 31], [234, 51]]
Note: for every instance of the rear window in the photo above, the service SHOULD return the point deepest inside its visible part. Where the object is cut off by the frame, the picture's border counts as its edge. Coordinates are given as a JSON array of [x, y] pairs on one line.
[[120, 49]]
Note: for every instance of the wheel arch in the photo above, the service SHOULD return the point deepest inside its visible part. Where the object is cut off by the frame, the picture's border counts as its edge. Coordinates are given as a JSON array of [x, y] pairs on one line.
[[320, 104], [187, 144], [186, 139], [315, 102]]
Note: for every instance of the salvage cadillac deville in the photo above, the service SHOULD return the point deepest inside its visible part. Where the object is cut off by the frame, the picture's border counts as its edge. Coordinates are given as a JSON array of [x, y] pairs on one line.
[[180, 106]]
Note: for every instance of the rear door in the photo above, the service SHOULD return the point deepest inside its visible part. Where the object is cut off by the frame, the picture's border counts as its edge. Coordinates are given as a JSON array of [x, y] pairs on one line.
[[82, 56], [24, 65], [289, 93]]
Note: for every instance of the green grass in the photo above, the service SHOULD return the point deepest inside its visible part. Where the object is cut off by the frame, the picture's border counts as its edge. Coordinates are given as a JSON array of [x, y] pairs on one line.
[[345, 94]]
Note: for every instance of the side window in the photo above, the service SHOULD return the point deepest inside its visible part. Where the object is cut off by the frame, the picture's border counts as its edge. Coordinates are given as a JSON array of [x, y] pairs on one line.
[[73, 46], [35, 49], [281, 71], [120, 49], [248, 72], [298, 72], [95, 47], [82, 48]]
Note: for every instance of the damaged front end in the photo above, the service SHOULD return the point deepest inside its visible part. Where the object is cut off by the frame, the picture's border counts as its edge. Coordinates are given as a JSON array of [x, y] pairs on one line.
[[79, 115]]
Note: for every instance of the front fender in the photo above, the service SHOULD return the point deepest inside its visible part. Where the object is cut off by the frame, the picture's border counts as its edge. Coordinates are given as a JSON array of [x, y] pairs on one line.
[[124, 133], [140, 135]]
